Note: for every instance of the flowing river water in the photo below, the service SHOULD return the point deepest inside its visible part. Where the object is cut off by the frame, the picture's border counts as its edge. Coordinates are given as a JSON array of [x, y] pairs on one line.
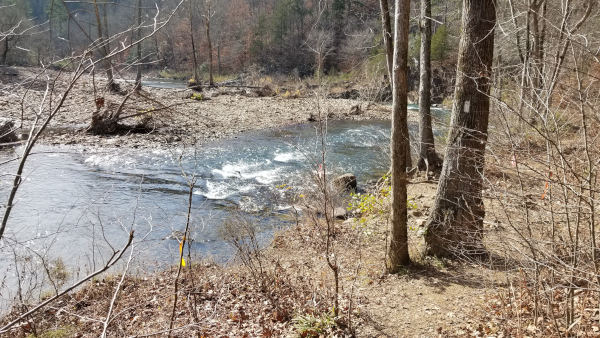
[[75, 203]]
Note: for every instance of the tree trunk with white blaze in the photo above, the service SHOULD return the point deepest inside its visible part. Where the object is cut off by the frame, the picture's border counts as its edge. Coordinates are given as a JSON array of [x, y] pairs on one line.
[[455, 226], [398, 250], [428, 158]]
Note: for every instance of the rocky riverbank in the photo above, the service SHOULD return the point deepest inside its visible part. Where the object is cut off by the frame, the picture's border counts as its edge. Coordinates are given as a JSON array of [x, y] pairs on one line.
[[167, 117]]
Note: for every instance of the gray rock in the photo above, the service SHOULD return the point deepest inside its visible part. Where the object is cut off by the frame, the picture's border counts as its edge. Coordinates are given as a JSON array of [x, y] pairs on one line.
[[346, 182], [7, 131], [340, 213]]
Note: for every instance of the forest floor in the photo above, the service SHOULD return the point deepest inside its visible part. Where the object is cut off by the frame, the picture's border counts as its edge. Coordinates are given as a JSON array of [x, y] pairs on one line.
[[288, 291]]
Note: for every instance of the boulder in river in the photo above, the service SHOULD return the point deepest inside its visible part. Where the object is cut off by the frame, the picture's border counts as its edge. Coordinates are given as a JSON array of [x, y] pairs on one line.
[[7, 131], [346, 182]]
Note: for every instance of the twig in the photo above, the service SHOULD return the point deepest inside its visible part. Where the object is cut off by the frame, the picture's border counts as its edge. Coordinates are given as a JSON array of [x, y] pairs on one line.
[[116, 256]]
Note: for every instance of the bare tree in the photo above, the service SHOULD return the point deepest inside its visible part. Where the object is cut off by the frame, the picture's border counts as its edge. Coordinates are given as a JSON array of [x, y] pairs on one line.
[[386, 28], [104, 46], [389, 55], [320, 42], [196, 79], [456, 221], [398, 250], [13, 25], [428, 158], [208, 14], [138, 75]]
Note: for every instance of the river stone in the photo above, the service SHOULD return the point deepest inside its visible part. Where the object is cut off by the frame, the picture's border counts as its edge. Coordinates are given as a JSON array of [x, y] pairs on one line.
[[340, 213], [7, 131], [346, 182]]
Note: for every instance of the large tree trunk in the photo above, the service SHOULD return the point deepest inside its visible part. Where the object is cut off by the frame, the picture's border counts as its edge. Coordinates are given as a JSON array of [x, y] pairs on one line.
[[428, 158], [455, 225], [389, 55], [398, 250]]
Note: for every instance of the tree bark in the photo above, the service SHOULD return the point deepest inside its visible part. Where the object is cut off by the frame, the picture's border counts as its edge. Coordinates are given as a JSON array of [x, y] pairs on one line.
[[138, 76], [196, 77], [5, 51], [398, 250], [386, 26], [211, 81], [428, 158], [104, 47], [50, 31], [219, 71], [389, 55], [455, 225]]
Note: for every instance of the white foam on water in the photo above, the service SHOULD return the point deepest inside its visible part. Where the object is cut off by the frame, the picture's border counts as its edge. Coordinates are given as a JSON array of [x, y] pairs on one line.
[[238, 169], [216, 191], [263, 176], [220, 190], [288, 157], [249, 171], [108, 161]]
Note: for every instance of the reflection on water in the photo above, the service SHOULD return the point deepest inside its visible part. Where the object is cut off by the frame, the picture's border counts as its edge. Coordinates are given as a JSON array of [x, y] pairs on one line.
[[164, 83]]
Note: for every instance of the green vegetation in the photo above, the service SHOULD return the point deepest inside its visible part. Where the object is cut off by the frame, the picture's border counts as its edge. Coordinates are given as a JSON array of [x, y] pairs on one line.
[[376, 203], [198, 97], [439, 43], [174, 75], [313, 326], [60, 332]]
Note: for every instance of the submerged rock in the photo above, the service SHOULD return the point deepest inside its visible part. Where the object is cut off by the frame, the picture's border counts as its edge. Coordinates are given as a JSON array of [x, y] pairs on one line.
[[7, 131]]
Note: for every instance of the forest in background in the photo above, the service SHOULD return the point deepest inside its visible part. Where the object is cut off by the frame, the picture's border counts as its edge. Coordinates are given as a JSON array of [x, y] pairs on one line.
[[291, 37], [516, 193]]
